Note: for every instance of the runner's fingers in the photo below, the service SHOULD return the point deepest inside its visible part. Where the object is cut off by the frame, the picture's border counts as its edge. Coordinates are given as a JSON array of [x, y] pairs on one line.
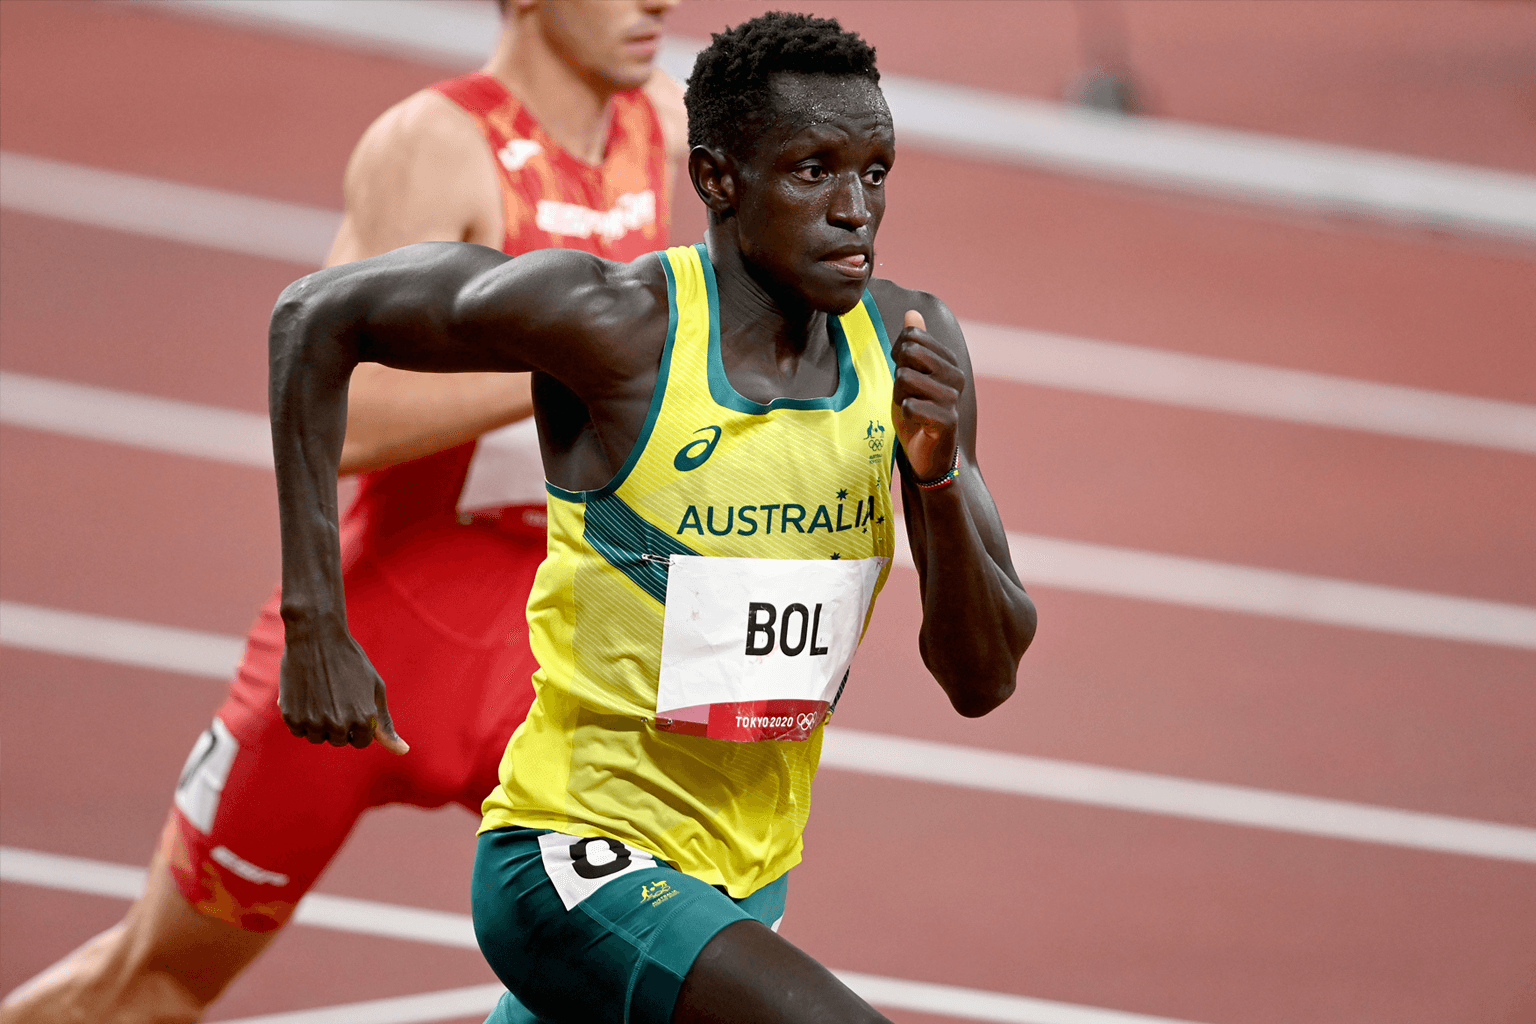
[[923, 419], [930, 361], [384, 725], [927, 414], [389, 741], [912, 386], [295, 723], [917, 345], [358, 735], [914, 345]]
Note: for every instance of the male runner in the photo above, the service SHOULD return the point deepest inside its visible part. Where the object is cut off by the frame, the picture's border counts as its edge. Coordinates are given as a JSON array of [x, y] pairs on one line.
[[566, 138], [718, 427]]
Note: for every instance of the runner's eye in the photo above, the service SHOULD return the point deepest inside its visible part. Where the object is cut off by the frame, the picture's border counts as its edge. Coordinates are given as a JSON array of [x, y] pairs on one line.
[[811, 172], [875, 176]]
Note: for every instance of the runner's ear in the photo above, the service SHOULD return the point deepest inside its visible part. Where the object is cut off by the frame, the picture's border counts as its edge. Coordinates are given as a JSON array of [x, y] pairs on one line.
[[713, 174]]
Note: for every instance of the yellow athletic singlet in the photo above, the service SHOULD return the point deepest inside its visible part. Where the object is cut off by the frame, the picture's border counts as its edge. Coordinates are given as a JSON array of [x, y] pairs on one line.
[[694, 618]]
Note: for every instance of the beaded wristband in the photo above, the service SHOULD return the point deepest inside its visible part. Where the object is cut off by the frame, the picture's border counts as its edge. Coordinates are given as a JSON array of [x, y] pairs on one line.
[[946, 479]]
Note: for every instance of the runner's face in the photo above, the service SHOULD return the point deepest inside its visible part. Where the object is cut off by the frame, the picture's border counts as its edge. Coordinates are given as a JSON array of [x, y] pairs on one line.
[[613, 41], [812, 193]]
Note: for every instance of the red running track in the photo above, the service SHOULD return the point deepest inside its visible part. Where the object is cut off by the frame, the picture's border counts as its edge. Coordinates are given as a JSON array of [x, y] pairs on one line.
[[1106, 908]]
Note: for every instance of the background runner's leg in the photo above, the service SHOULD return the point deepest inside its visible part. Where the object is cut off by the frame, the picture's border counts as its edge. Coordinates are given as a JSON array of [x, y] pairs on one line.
[[162, 965], [747, 973]]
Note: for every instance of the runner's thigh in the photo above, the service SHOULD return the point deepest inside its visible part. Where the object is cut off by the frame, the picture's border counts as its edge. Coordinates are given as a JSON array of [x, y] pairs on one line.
[[591, 930]]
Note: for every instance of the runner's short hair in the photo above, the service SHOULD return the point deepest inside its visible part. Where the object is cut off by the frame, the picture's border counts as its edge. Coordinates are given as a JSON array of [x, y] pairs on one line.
[[728, 97]]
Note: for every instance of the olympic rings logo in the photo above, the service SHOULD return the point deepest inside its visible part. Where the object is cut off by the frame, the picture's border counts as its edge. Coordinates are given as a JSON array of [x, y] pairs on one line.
[[806, 721]]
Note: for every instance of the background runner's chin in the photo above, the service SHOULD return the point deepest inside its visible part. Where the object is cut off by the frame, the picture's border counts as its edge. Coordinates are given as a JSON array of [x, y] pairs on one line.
[[1253, 602]]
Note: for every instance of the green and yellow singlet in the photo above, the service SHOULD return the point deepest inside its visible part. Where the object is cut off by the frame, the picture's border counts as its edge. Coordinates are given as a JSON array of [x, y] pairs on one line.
[[695, 617]]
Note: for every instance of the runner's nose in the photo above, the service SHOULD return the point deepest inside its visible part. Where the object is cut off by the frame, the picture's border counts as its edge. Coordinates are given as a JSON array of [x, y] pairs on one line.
[[849, 207]]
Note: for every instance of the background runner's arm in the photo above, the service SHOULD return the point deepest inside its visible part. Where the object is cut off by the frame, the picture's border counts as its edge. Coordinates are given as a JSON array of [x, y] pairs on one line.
[[977, 619], [436, 307], [421, 173]]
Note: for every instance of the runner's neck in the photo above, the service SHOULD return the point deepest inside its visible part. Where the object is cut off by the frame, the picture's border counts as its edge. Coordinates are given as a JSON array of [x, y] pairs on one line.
[[573, 108]]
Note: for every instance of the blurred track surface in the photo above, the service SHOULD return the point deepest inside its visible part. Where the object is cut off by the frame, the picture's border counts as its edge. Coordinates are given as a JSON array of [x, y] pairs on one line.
[[1033, 866]]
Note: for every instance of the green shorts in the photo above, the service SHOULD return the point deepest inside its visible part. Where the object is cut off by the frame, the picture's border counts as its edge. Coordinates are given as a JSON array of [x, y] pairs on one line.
[[592, 930]]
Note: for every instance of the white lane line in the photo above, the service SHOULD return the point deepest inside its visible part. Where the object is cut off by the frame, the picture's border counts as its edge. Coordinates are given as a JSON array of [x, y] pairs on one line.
[[190, 214], [973, 1004], [995, 126], [458, 36], [343, 913], [1222, 586], [319, 910], [119, 641], [904, 758], [204, 216], [99, 878], [72, 874], [139, 421], [891, 993], [1224, 163], [1247, 389], [449, 1004], [1121, 789]]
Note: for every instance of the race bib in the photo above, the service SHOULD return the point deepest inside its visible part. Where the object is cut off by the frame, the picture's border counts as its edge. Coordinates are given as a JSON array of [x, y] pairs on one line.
[[756, 648], [579, 867]]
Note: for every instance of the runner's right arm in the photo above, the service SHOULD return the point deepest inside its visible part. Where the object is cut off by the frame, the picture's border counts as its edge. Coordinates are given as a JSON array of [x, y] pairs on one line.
[[434, 307], [421, 173]]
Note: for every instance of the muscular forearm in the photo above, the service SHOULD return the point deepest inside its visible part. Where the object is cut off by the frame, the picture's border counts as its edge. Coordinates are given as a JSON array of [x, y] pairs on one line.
[[394, 416], [322, 327], [311, 359], [327, 691], [977, 619]]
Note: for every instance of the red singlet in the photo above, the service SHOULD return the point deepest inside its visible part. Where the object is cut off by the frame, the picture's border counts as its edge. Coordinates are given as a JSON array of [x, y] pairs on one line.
[[438, 556]]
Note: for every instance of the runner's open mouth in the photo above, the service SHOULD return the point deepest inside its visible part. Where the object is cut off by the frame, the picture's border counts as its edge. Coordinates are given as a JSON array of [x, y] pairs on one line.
[[853, 265]]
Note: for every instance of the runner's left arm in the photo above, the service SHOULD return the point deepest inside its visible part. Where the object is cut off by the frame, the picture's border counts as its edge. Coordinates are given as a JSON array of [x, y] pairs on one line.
[[977, 619]]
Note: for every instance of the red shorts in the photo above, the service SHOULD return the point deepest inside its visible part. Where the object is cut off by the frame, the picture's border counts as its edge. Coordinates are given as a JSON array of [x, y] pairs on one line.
[[442, 614]]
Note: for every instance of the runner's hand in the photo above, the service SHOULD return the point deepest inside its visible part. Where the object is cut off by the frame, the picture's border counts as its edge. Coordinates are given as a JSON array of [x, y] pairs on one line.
[[925, 403], [329, 692]]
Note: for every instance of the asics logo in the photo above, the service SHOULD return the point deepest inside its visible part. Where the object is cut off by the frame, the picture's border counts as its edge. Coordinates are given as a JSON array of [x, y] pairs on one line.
[[695, 453]]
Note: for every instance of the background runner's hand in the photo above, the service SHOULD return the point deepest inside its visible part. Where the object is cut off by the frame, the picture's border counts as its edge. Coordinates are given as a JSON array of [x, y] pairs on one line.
[[329, 691], [926, 399]]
